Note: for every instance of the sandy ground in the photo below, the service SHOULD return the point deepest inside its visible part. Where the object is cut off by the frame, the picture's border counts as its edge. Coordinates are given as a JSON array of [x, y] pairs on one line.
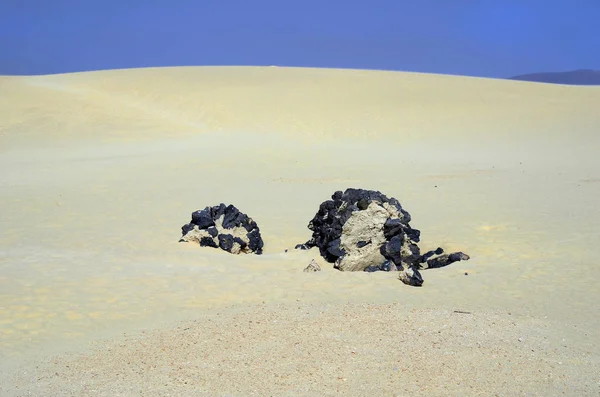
[[341, 350], [98, 172]]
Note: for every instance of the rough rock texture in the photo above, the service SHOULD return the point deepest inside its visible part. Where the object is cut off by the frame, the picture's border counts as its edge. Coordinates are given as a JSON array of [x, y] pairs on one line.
[[223, 227], [363, 230], [313, 266]]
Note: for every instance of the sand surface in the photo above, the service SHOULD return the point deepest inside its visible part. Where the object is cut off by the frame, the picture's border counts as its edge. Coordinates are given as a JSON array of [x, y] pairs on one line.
[[98, 172]]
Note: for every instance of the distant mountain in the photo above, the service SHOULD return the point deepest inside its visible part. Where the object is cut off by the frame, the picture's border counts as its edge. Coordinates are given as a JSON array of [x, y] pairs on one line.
[[574, 77]]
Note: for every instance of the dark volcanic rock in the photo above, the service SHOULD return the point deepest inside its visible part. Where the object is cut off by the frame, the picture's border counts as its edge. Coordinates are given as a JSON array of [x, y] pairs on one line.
[[392, 249], [361, 244], [208, 242], [445, 260], [225, 242], [202, 219], [224, 227], [387, 266], [364, 230], [212, 231], [255, 241], [392, 227]]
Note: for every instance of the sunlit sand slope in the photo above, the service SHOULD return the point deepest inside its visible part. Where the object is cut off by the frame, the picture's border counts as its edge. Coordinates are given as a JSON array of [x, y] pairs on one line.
[[98, 172]]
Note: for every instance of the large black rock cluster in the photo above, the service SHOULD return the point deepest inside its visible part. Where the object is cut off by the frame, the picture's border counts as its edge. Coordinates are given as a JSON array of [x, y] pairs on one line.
[[328, 222], [396, 240]]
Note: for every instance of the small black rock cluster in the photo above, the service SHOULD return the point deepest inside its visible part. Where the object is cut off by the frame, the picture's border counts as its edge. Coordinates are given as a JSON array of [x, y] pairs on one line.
[[207, 219]]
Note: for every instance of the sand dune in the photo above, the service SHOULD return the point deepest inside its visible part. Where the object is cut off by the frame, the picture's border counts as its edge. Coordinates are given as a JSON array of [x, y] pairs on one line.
[[98, 171]]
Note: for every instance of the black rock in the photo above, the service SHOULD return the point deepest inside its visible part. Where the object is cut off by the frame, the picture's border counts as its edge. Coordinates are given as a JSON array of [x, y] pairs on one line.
[[255, 241], [362, 204], [202, 219], [391, 250], [226, 242], [413, 278], [249, 224], [333, 249], [233, 217], [186, 228], [393, 227], [445, 260], [208, 242], [217, 211], [429, 254], [413, 234], [412, 254], [384, 267], [212, 231]]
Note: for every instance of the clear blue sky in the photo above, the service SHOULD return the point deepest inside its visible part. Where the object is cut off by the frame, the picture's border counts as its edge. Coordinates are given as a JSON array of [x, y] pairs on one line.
[[495, 38]]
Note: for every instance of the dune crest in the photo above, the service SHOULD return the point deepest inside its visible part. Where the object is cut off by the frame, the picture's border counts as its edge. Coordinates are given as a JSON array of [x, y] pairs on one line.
[[122, 105]]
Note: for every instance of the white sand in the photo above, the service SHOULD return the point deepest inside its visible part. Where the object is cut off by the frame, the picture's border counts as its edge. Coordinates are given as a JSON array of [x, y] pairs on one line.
[[98, 171]]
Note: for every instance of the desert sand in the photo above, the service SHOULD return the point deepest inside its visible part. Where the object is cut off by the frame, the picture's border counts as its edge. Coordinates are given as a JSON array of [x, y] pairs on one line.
[[99, 171]]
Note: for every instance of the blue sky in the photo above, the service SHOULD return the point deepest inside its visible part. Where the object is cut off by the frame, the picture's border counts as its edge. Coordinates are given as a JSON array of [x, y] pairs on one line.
[[469, 37]]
